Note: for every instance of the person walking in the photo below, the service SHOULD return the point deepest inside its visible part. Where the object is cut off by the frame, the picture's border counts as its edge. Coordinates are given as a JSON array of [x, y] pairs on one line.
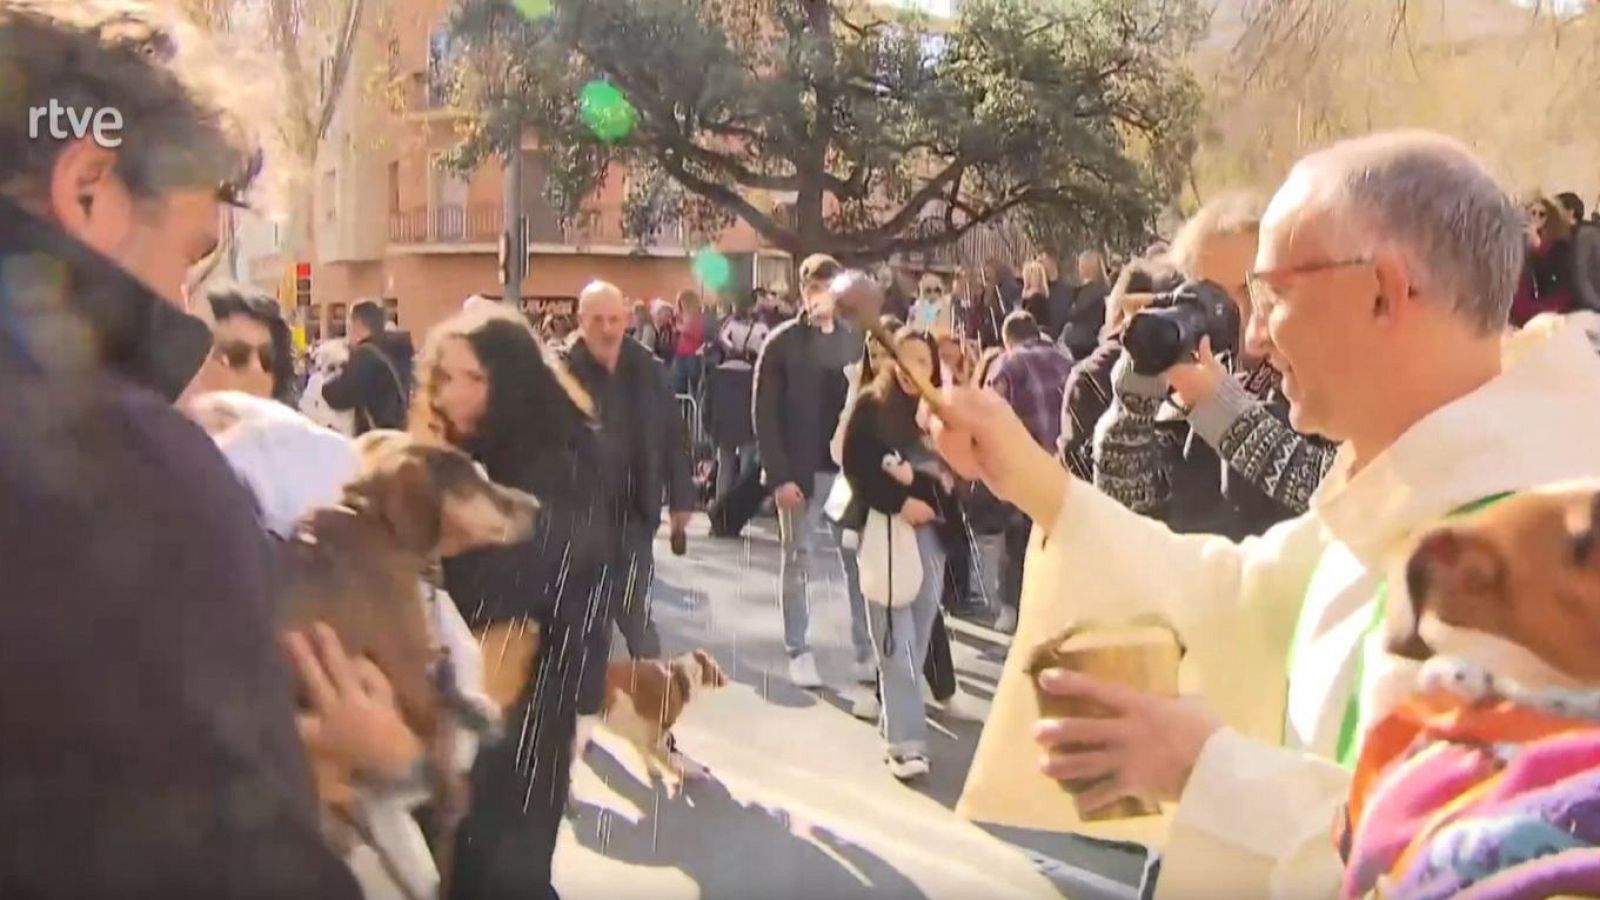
[[1585, 252], [890, 466], [639, 419], [800, 391], [376, 382], [488, 388]]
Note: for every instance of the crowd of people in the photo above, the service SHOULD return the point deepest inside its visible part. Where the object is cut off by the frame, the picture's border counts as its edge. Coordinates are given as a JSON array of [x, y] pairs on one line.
[[1344, 364]]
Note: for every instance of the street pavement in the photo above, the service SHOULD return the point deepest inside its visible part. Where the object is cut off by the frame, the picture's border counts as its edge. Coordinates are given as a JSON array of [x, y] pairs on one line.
[[799, 803]]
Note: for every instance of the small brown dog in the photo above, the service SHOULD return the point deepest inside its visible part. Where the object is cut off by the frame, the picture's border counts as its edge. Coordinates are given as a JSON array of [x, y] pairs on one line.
[[1513, 588], [644, 699], [360, 566]]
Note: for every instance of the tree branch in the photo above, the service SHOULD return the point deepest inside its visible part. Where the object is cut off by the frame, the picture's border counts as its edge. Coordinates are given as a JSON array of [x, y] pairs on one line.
[[343, 55]]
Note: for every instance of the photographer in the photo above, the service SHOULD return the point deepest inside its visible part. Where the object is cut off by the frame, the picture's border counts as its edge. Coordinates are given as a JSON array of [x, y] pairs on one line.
[[1249, 471]]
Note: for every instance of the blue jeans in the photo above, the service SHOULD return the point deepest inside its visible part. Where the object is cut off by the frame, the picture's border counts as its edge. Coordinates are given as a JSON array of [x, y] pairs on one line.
[[806, 535], [686, 373], [900, 638], [732, 463]]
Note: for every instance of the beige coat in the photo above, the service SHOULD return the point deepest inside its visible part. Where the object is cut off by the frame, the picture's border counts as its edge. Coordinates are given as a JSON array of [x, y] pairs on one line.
[[1257, 816]]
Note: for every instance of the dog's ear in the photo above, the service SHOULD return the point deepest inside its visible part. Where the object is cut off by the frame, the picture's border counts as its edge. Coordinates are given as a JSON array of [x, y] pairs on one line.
[[1586, 536], [400, 490]]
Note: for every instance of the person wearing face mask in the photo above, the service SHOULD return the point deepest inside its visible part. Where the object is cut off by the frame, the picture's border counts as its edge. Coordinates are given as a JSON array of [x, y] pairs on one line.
[[800, 391], [147, 717], [932, 310]]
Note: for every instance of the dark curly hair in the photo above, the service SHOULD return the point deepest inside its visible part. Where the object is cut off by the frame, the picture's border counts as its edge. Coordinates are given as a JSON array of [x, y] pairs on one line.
[[229, 300], [538, 421]]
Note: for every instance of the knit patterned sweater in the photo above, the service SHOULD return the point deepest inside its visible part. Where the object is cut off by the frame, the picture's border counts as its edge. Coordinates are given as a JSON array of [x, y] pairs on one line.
[[1132, 464]]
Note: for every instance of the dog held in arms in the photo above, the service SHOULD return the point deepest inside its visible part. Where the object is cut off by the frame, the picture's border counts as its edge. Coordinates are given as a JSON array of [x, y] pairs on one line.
[[362, 567], [1486, 782]]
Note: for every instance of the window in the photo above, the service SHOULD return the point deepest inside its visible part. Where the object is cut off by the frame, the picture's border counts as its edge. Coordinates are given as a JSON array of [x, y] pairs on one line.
[[394, 187], [391, 308], [442, 56], [336, 320]]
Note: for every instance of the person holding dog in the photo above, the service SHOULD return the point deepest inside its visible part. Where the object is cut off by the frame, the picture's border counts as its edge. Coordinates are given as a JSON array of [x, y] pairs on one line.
[[147, 716], [1380, 290]]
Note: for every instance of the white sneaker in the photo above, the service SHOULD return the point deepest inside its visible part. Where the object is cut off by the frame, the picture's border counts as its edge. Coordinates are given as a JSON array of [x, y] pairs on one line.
[[963, 705], [803, 671], [864, 672], [1007, 621], [866, 707], [908, 766]]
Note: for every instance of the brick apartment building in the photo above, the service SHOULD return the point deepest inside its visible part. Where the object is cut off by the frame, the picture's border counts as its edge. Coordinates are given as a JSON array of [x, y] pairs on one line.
[[392, 222]]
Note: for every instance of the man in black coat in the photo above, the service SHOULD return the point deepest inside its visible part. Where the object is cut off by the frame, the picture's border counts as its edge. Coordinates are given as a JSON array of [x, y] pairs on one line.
[[376, 382], [800, 391], [146, 715], [639, 418]]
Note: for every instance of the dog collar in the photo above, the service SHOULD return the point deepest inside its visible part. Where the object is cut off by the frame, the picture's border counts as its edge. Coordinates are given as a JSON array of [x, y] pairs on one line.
[[1476, 683]]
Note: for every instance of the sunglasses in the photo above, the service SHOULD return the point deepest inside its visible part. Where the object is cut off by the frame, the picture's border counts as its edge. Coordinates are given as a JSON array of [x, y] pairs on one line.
[[238, 354]]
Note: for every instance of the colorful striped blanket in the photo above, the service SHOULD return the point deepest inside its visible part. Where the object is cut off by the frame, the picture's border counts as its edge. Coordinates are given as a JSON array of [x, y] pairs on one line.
[[1489, 799]]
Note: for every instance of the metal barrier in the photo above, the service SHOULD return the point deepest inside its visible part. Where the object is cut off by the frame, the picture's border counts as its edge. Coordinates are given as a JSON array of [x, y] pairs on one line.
[[693, 424]]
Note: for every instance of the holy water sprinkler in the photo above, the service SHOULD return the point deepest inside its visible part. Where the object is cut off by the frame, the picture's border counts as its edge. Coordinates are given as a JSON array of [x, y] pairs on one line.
[[858, 299]]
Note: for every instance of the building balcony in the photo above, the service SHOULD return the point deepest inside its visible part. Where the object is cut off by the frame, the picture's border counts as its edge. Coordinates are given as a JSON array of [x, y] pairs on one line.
[[477, 228]]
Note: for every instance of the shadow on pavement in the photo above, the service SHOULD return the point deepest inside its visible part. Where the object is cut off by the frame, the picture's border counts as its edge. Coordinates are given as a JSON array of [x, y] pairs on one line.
[[686, 627], [731, 850]]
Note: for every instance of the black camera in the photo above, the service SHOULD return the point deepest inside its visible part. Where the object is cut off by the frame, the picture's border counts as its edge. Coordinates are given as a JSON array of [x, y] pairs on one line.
[[1170, 329]]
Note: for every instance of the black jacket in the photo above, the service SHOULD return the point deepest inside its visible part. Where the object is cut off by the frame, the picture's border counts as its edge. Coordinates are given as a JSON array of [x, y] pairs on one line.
[[864, 450], [788, 383], [657, 462], [553, 575], [376, 383], [1085, 319], [146, 716]]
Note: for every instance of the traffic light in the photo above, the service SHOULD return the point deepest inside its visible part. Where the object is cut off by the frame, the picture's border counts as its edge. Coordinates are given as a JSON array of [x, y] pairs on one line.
[[302, 285]]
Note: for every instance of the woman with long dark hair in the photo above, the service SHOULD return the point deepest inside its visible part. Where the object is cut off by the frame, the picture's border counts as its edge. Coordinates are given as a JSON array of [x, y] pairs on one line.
[[487, 386], [890, 465]]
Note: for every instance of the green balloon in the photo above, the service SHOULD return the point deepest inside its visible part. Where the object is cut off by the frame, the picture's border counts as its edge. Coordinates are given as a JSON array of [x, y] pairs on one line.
[[712, 269], [607, 112], [532, 9]]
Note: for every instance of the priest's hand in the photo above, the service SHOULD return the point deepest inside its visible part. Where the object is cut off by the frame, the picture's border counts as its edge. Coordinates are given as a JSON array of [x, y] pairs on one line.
[[1146, 749]]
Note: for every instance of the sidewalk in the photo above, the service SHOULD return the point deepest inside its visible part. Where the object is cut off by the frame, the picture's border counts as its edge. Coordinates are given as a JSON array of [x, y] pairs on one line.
[[800, 804]]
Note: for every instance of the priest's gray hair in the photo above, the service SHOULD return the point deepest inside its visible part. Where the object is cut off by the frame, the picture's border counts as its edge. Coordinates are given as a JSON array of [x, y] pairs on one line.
[[1429, 199]]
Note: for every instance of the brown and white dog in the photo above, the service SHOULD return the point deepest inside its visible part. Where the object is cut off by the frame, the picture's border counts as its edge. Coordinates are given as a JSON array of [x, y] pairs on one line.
[[1513, 588], [644, 699], [1483, 780], [360, 566]]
